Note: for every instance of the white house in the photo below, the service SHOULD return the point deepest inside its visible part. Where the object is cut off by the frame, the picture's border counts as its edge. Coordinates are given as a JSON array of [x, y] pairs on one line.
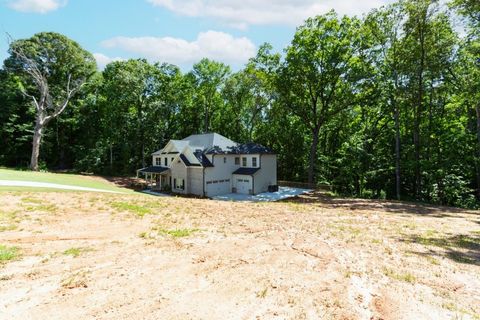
[[210, 165]]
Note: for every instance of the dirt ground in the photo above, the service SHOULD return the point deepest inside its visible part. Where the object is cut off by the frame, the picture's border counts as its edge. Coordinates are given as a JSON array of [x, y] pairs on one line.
[[104, 256]]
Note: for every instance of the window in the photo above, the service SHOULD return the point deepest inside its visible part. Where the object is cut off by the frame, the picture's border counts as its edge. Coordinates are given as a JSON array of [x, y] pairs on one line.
[[237, 161], [209, 182], [183, 184], [175, 183], [165, 161], [158, 161], [171, 160], [224, 159], [254, 162], [244, 162]]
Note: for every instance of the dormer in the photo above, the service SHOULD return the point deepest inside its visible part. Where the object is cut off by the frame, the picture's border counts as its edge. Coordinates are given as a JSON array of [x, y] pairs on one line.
[[172, 152]]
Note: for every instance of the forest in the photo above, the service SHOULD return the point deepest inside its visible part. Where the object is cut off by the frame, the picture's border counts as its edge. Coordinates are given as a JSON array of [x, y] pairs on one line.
[[386, 105]]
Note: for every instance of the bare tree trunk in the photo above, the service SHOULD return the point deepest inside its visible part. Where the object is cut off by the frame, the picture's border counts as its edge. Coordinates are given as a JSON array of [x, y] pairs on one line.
[[313, 155], [143, 156], [46, 110], [477, 110], [141, 131], [37, 140], [417, 120], [111, 157], [205, 127], [397, 152]]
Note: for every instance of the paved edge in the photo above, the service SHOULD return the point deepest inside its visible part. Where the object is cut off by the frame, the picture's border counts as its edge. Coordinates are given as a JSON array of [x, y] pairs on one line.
[[34, 184]]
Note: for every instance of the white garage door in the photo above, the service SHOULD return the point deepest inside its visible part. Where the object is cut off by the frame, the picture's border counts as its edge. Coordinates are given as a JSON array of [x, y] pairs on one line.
[[218, 187], [244, 185]]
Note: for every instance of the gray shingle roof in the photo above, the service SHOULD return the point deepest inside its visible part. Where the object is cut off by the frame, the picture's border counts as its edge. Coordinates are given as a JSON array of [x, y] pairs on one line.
[[209, 140], [154, 169], [246, 171], [202, 158], [246, 148], [188, 163], [253, 148]]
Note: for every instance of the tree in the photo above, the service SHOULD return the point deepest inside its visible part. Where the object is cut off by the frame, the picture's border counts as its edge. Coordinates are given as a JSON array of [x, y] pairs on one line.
[[318, 78], [57, 67], [385, 26], [468, 70], [210, 77], [16, 116], [428, 47], [471, 10], [249, 93], [141, 101]]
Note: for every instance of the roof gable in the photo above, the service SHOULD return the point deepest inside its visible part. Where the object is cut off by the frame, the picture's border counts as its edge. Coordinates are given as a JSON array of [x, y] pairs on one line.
[[209, 140]]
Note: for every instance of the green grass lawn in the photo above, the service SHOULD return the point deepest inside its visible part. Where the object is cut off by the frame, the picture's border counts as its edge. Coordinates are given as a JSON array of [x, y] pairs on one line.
[[57, 178]]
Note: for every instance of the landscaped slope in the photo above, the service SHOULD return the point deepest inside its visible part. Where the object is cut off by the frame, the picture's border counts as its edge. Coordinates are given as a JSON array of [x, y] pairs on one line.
[[56, 178]]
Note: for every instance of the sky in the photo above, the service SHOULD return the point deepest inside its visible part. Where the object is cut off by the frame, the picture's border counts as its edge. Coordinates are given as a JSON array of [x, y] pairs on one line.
[[175, 31]]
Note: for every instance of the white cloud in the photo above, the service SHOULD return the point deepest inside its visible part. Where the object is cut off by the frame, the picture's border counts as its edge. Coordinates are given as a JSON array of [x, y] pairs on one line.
[[242, 13], [103, 60], [214, 45], [36, 6]]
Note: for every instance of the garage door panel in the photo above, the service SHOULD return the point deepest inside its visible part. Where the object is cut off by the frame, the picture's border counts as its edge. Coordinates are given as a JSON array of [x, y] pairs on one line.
[[217, 187], [244, 185]]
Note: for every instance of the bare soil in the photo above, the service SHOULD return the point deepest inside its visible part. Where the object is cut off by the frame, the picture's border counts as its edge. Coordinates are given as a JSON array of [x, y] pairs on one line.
[[109, 256]]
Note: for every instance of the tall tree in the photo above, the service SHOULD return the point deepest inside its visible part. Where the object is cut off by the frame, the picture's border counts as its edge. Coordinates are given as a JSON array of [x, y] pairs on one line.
[[16, 117], [210, 78], [319, 75], [428, 47], [385, 26], [468, 70], [137, 94], [57, 67]]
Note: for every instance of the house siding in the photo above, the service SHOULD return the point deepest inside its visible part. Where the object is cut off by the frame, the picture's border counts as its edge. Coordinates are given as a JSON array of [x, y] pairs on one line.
[[179, 172], [220, 171], [249, 158], [267, 175], [195, 181]]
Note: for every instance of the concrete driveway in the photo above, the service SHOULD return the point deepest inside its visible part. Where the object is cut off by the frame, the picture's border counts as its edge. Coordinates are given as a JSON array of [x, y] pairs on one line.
[[282, 193]]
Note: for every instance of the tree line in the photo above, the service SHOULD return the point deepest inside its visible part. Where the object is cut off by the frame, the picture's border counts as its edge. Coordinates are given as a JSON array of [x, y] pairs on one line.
[[382, 106]]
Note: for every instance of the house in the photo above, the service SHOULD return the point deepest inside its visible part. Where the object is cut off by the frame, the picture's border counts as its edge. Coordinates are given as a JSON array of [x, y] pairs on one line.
[[210, 165]]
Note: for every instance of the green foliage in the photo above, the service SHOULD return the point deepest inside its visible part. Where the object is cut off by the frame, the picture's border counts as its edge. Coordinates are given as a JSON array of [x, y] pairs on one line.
[[75, 252], [320, 73], [406, 277], [8, 221], [178, 233], [133, 208], [8, 253]]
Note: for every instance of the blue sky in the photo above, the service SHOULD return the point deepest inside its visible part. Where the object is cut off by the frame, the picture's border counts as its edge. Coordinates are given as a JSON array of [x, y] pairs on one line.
[[174, 31]]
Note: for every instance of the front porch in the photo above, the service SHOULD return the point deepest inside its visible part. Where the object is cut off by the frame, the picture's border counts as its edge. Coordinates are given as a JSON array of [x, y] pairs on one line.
[[157, 178]]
